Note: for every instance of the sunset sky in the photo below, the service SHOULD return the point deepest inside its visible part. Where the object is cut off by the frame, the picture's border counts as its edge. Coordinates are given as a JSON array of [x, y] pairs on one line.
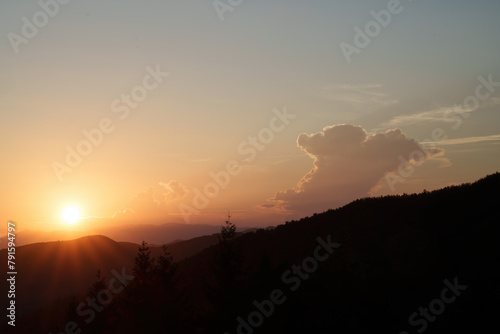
[[264, 91]]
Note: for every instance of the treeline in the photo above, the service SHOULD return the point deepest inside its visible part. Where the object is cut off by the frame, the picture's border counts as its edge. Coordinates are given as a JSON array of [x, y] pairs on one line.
[[142, 301], [388, 261], [153, 297]]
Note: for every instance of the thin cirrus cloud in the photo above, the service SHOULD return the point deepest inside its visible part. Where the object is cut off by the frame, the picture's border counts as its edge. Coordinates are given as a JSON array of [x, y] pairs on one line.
[[466, 140], [348, 163], [434, 115], [370, 94], [438, 114]]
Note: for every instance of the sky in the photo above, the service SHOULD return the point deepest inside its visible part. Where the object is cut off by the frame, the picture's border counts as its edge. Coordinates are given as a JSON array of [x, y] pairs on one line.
[[180, 111]]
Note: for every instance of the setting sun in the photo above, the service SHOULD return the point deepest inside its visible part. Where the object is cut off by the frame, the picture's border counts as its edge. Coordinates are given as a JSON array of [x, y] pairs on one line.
[[70, 214]]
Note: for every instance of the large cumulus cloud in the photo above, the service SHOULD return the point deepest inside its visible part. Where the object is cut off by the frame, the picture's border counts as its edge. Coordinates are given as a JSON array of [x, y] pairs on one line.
[[348, 162]]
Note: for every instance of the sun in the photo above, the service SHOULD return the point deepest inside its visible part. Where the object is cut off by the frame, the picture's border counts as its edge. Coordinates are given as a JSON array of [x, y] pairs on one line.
[[70, 215]]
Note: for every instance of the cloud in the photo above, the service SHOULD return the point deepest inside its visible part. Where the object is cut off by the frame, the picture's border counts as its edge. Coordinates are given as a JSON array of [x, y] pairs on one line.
[[268, 205], [157, 202], [434, 115], [348, 163], [437, 114], [174, 190], [369, 95], [467, 140], [122, 213]]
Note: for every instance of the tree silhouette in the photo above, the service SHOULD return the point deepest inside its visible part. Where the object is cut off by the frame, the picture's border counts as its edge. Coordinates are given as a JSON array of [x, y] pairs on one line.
[[152, 300], [228, 258], [143, 263], [101, 297], [227, 231], [228, 273]]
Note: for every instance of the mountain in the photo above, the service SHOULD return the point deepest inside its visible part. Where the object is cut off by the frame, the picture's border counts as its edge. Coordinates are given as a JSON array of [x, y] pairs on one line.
[[154, 234], [65, 268], [27, 237], [158, 234], [403, 264], [396, 254]]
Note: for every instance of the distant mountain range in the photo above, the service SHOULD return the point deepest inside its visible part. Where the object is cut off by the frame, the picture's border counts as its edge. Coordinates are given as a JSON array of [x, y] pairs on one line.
[[154, 234], [67, 267]]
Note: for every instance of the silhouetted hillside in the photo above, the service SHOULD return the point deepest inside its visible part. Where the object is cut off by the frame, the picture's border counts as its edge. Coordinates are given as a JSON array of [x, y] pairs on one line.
[[27, 237], [395, 253], [375, 265], [57, 270], [156, 234]]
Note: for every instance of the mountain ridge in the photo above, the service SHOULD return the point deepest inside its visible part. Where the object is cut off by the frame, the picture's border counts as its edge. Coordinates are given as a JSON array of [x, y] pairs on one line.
[[394, 249], [155, 234]]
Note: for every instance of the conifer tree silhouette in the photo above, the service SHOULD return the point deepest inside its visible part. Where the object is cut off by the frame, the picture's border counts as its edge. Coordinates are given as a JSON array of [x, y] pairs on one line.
[[228, 273]]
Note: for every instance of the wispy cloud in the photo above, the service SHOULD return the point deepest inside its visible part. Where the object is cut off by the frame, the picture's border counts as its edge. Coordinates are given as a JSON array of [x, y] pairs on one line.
[[437, 114], [465, 140], [425, 116], [371, 94]]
